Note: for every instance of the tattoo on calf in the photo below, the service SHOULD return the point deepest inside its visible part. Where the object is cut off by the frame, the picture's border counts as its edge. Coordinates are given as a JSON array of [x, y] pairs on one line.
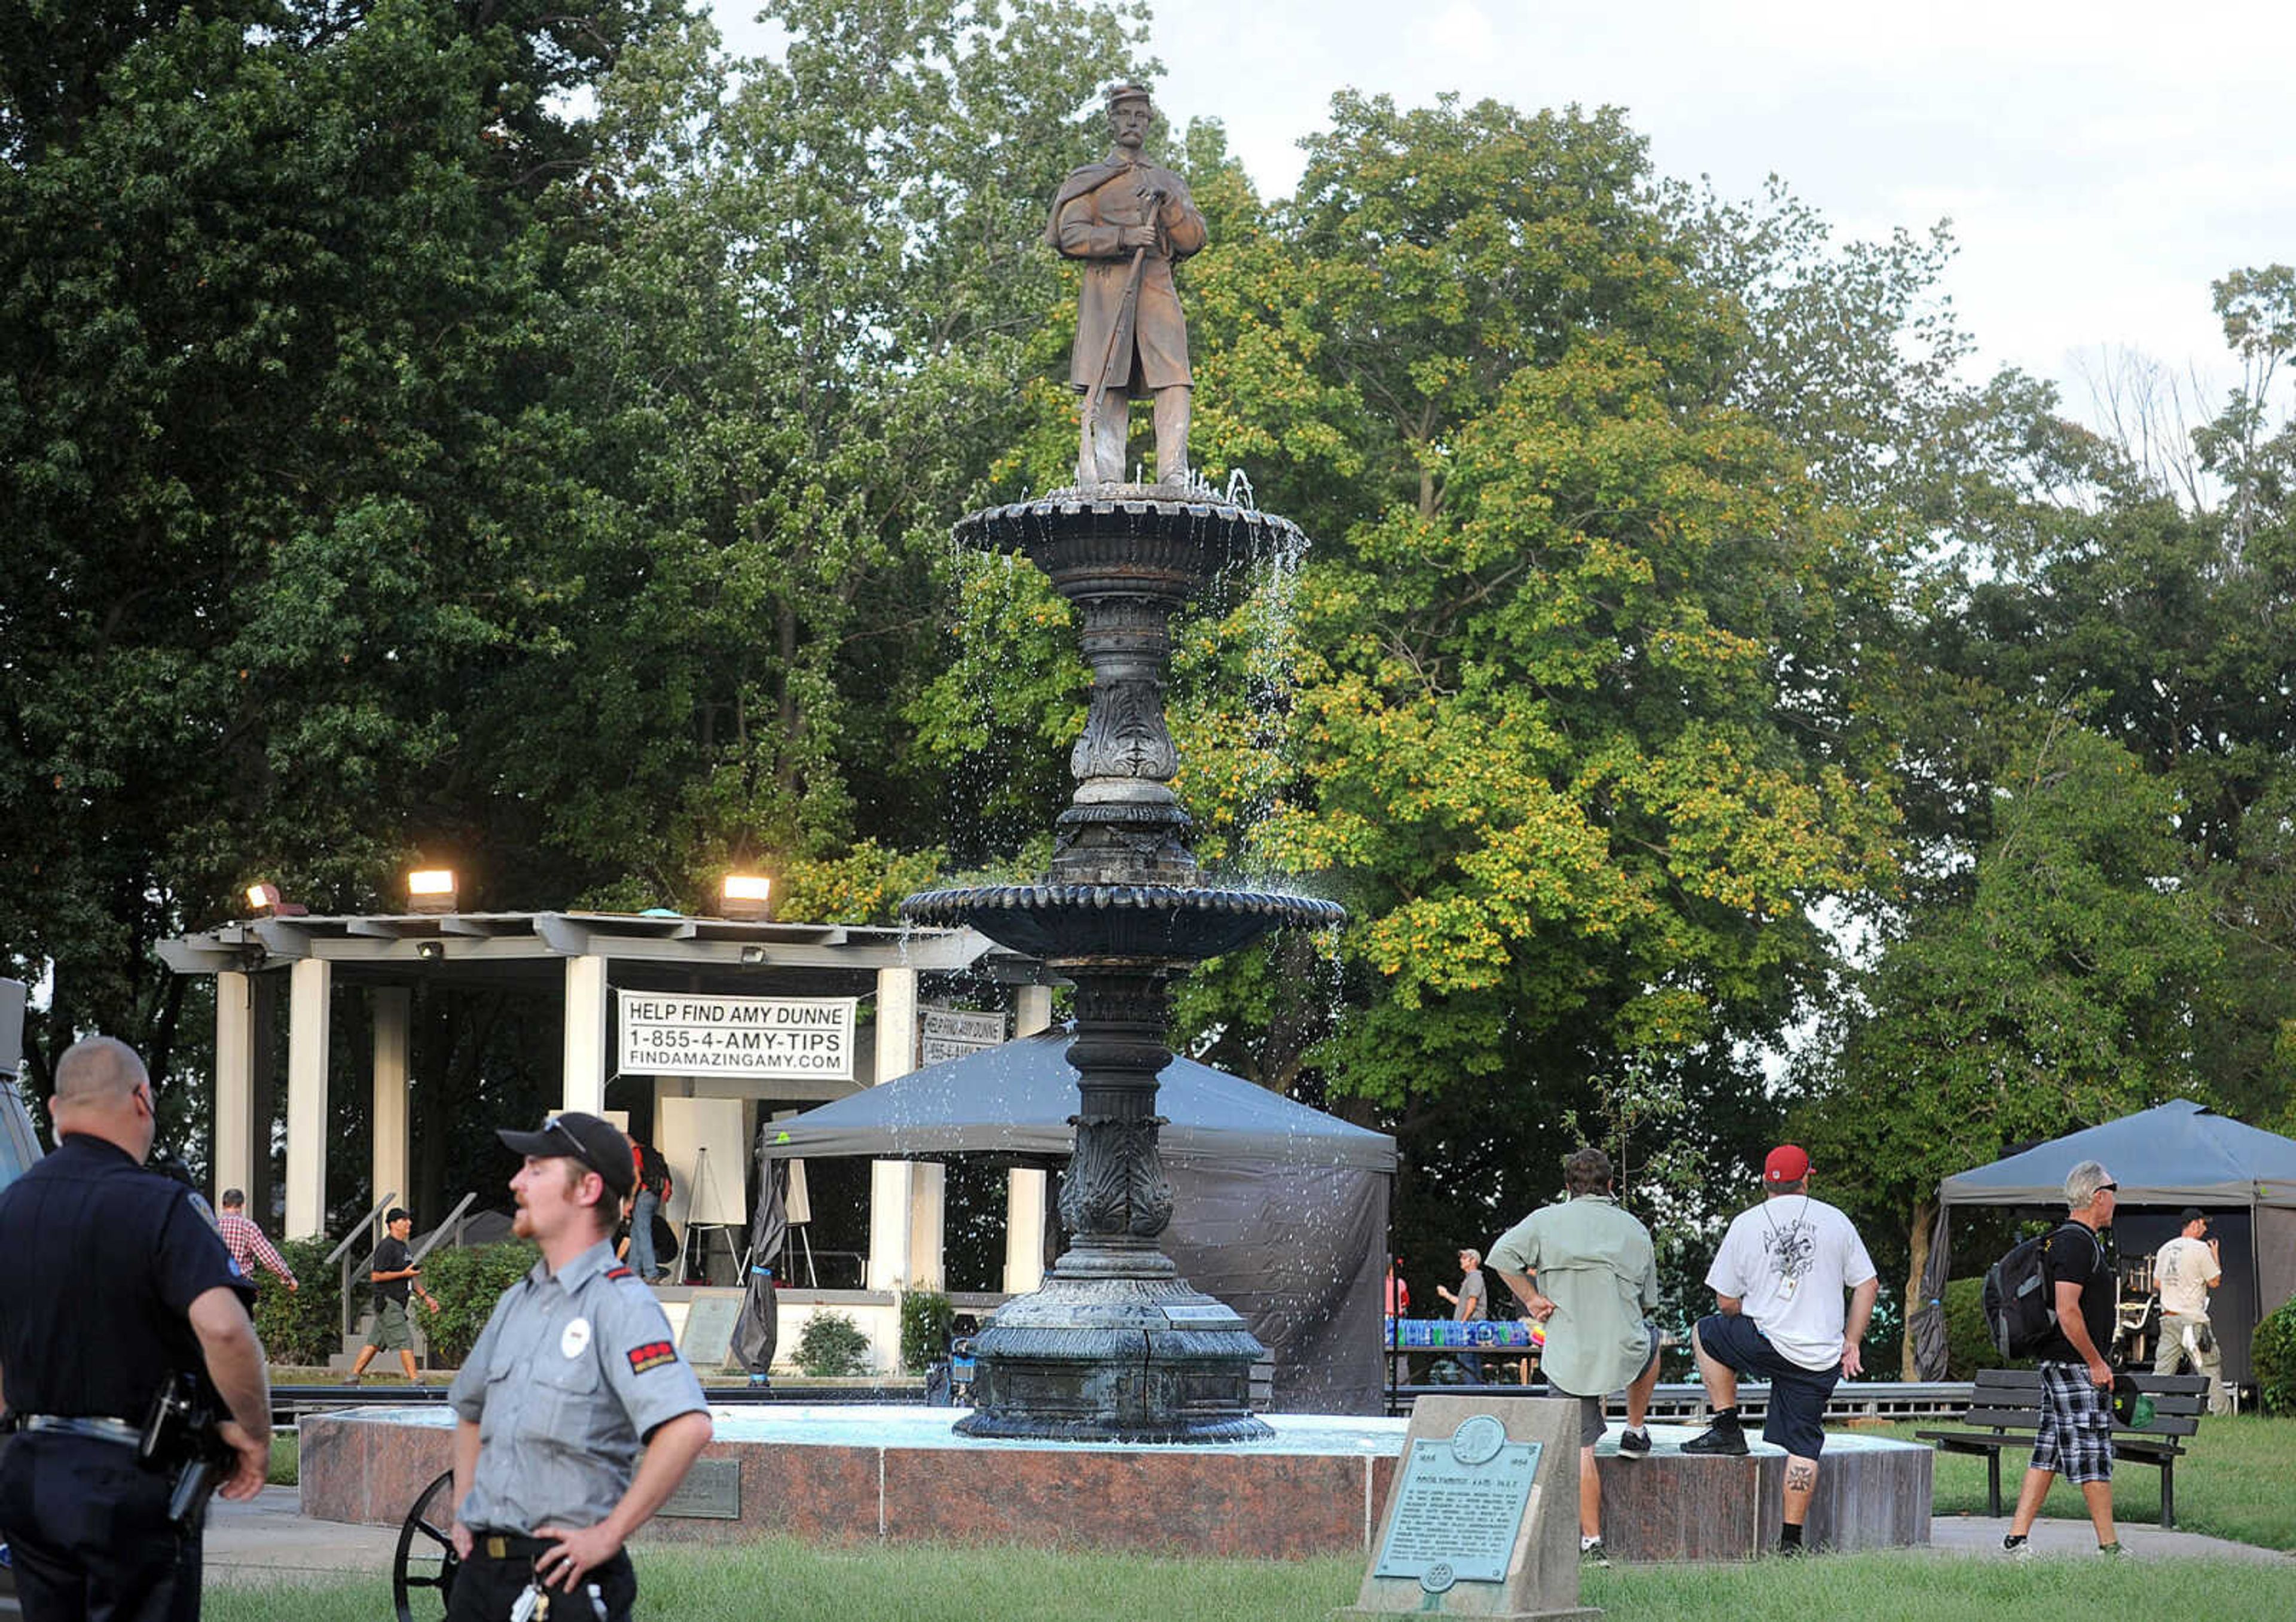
[[1800, 1477]]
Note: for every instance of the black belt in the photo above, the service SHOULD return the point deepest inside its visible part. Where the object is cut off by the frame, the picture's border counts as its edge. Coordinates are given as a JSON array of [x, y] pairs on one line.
[[509, 1547]]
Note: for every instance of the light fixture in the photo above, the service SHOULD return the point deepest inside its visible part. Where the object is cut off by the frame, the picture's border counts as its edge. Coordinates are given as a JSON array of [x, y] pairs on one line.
[[745, 896], [430, 889], [264, 898], [430, 951], [753, 954]]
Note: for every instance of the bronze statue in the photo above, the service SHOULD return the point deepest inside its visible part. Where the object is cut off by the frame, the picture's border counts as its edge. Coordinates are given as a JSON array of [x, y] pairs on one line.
[[1129, 221]]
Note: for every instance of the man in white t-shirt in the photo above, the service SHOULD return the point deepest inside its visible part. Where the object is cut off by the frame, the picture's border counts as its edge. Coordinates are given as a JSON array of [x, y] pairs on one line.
[[2185, 1269], [1779, 1279]]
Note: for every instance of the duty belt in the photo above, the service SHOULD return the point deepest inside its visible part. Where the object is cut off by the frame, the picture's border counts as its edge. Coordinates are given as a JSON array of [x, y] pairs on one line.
[[510, 1546], [93, 1427]]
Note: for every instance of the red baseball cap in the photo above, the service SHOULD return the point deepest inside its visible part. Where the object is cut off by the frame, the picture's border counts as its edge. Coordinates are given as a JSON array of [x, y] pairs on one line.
[[1786, 1164]]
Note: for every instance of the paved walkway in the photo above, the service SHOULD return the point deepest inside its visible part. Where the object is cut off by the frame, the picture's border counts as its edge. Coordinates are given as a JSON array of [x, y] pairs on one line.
[[268, 1540]]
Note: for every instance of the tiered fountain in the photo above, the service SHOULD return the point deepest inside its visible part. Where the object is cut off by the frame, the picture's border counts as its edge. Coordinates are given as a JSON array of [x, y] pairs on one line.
[[1116, 1347]]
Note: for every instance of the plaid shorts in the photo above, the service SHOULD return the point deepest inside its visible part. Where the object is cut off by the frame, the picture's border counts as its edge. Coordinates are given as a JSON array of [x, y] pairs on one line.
[[2076, 1434]]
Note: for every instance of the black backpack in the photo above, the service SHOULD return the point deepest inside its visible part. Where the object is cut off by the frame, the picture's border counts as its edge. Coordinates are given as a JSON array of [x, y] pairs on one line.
[[2021, 1298], [653, 1175]]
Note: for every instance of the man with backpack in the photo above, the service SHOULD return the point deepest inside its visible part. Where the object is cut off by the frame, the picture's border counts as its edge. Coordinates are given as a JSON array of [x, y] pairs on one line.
[[2075, 1435], [652, 1191]]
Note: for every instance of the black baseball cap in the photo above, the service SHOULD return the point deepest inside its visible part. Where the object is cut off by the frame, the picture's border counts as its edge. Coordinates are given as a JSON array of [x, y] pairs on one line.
[[2193, 1213], [398, 1214], [575, 1136]]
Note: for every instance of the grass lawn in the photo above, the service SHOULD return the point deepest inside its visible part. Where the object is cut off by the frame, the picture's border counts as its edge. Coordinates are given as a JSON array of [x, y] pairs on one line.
[[2234, 1482], [781, 1582]]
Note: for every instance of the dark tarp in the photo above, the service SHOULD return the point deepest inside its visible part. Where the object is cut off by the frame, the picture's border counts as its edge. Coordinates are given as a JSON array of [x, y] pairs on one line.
[[2175, 1155], [758, 1328], [1278, 1210]]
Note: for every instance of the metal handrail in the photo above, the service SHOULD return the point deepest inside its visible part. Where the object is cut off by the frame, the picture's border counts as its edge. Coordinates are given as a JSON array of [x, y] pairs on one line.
[[439, 1232], [362, 1226]]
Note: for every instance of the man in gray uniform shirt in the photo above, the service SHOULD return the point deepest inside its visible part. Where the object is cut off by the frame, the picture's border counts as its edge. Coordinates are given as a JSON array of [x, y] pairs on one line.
[[575, 1415]]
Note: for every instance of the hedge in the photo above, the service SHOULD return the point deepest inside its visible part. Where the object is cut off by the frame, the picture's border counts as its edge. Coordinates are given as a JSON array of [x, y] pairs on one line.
[[305, 1325], [468, 1282]]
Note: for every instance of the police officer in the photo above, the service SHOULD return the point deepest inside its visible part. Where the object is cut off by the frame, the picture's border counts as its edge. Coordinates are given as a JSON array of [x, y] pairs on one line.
[[120, 1283], [575, 1415]]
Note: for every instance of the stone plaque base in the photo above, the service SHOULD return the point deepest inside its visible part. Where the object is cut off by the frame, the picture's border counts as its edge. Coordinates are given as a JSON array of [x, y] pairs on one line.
[[1542, 1575]]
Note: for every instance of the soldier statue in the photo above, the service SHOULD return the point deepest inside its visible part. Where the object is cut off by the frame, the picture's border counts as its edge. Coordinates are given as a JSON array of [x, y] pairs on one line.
[[1129, 220]]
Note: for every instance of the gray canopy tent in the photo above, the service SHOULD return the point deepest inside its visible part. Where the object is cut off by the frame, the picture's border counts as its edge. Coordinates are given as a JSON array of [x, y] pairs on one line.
[[1279, 1210], [2172, 1156]]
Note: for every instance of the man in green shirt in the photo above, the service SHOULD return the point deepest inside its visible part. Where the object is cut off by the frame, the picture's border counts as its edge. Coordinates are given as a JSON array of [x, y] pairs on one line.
[[1588, 1271]]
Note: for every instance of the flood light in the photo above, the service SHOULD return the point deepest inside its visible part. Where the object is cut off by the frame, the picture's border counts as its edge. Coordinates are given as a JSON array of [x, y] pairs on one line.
[[745, 896], [430, 889]]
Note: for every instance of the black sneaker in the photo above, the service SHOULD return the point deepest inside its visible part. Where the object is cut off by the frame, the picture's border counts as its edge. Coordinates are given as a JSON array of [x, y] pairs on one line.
[[1634, 1444], [2015, 1547], [1727, 1439], [1591, 1552]]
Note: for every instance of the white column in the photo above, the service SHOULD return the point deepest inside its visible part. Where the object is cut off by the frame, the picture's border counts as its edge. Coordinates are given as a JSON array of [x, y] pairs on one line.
[[1025, 1186], [893, 1183], [308, 1039], [584, 1087], [234, 1084], [392, 1006]]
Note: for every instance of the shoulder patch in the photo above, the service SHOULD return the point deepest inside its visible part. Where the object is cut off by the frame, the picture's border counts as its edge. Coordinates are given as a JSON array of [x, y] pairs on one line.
[[653, 1355], [198, 1203], [620, 1273]]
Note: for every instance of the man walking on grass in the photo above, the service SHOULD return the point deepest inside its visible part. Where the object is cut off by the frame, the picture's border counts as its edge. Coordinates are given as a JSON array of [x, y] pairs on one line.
[[2075, 1436]]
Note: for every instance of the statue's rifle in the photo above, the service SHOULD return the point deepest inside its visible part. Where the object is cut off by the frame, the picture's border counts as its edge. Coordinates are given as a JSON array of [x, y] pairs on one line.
[[1119, 342]]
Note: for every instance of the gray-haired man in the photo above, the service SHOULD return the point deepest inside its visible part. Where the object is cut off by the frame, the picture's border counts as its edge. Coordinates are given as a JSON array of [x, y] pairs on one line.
[[2076, 1430]]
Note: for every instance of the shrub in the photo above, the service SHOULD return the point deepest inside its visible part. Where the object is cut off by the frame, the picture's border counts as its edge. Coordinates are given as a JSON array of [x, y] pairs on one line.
[[468, 1282], [927, 1321], [833, 1347], [304, 1325], [2272, 1357]]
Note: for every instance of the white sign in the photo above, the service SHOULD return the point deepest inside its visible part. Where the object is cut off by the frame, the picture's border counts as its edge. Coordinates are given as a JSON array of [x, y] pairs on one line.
[[946, 1033], [758, 1037]]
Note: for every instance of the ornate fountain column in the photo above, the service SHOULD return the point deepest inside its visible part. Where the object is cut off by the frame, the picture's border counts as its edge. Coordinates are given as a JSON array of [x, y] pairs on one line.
[[1115, 1346]]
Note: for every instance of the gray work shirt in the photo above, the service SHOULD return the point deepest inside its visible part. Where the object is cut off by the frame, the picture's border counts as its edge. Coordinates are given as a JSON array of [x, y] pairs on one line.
[[566, 1380]]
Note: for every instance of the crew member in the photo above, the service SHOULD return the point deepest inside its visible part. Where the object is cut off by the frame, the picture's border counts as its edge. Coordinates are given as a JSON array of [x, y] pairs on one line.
[[245, 1241], [2185, 1270], [394, 1273], [574, 1416], [121, 1284]]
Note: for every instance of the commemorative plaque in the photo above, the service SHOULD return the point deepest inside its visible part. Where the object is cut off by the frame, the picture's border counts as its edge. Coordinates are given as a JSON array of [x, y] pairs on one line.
[[1482, 1514], [1459, 1505], [711, 1491]]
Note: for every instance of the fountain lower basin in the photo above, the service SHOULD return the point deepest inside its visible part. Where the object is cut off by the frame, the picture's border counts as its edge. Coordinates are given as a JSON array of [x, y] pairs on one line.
[[1314, 1485]]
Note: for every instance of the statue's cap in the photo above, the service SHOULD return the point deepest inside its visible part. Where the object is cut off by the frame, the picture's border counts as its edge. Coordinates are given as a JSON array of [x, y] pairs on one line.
[[1129, 92]]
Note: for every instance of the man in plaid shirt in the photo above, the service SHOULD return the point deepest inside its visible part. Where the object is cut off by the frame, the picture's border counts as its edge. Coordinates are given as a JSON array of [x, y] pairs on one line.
[[245, 1241]]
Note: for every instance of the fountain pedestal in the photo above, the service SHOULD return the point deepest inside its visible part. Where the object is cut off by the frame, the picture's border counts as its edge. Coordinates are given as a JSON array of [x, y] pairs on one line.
[[1115, 1346]]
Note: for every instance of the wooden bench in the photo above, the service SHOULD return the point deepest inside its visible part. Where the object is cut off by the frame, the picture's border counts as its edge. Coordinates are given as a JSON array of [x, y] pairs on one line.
[[2005, 1411]]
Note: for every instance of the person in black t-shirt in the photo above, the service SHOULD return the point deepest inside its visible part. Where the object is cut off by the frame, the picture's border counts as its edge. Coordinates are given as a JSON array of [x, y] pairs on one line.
[[393, 1270], [2076, 1429]]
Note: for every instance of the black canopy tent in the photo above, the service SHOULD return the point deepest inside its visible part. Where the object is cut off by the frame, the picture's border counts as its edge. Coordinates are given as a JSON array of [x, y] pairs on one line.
[[2172, 1156], [1280, 1210]]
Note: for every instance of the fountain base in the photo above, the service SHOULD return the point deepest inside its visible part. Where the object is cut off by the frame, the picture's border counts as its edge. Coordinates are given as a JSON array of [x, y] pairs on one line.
[[1118, 1358]]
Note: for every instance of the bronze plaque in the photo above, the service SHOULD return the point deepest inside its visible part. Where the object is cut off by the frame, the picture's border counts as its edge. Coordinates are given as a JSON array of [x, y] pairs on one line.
[[711, 1491]]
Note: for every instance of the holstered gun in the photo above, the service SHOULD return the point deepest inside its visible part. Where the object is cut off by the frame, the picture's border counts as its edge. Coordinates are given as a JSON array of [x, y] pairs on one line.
[[180, 1436]]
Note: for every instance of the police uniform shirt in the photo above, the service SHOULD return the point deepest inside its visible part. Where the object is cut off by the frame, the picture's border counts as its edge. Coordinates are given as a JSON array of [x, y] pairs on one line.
[[107, 1258], [566, 1380]]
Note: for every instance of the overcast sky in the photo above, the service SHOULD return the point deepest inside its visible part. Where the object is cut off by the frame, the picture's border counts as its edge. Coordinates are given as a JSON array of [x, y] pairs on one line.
[[2100, 162]]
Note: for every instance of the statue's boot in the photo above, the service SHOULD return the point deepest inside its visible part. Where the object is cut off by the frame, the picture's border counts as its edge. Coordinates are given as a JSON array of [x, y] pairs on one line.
[[1172, 435]]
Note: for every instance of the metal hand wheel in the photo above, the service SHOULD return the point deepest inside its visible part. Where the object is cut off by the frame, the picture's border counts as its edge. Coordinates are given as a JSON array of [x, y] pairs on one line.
[[426, 1555]]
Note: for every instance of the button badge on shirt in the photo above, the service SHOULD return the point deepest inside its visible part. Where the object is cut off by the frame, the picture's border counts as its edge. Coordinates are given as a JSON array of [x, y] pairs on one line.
[[576, 1340]]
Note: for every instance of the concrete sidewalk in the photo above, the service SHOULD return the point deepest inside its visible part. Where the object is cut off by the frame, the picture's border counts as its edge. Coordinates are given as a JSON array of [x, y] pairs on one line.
[[268, 1539], [1981, 1535]]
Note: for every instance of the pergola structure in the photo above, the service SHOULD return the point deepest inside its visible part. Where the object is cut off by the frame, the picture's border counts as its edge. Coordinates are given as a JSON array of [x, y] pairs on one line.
[[582, 958]]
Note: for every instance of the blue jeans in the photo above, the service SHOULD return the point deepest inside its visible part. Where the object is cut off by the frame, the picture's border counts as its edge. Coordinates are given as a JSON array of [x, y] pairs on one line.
[[642, 1210]]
